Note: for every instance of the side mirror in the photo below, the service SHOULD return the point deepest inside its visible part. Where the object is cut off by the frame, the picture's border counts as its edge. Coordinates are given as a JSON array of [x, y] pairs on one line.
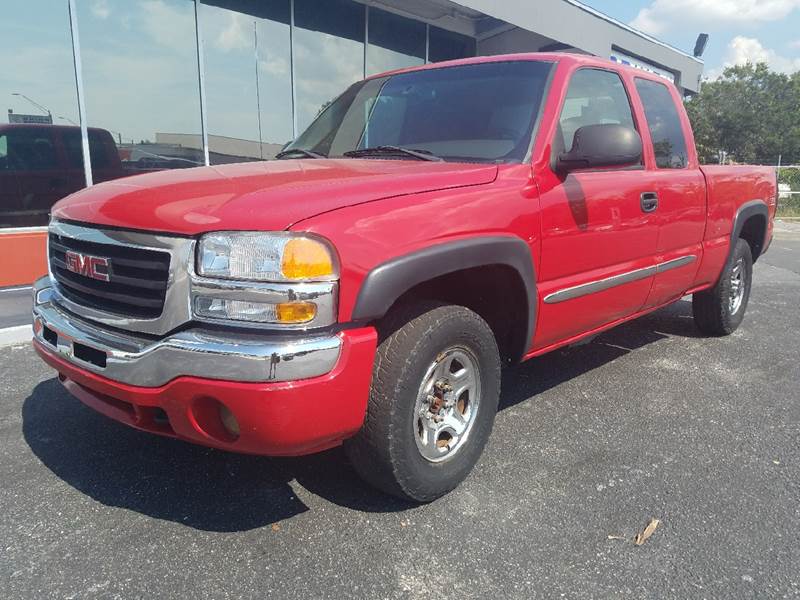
[[608, 145]]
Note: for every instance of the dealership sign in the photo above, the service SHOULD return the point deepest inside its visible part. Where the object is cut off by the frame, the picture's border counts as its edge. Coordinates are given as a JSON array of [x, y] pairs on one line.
[[638, 63], [29, 119]]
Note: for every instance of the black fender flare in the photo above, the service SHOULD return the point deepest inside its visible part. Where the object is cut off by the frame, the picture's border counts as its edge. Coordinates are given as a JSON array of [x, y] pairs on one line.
[[745, 211], [385, 283]]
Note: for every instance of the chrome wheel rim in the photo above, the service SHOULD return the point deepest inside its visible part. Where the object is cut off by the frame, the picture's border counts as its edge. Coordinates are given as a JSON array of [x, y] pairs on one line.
[[447, 404], [737, 287]]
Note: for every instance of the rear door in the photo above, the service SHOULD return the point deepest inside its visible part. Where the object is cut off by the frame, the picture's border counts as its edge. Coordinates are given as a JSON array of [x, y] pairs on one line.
[[678, 190], [598, 245]]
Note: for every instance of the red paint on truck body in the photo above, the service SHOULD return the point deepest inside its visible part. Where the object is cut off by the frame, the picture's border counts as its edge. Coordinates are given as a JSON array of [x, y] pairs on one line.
[[580, 228]]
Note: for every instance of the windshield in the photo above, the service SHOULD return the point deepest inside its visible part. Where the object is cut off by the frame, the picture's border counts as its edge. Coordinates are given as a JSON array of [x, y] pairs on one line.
[[478, 113]]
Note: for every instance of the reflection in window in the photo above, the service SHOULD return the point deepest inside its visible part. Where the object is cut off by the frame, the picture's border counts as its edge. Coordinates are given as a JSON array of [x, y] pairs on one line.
[[37, 85], [247, 78], [664, 123], [481, 112], [448, 45], [394, 42], [141, 83], [329, 53]]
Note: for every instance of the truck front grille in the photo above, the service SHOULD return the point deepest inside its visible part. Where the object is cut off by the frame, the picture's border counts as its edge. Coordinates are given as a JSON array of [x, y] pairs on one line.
[[137, 277]]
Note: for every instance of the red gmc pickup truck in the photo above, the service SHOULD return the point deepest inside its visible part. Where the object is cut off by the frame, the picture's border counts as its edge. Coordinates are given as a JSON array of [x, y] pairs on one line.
[[365, 289]]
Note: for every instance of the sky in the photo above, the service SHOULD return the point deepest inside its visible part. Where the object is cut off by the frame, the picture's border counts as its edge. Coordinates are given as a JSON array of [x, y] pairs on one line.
[[739, 30]]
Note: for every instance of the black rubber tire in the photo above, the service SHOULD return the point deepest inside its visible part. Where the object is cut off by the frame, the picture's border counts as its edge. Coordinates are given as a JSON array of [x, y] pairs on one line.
[[384, 452], [711, 309]]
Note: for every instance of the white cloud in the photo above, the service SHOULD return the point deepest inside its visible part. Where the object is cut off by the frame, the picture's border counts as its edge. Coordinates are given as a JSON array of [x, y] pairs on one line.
[[237, 34], [100, 9], [171, 26], [663, 15], [274, 65], [742, 50], [794, 44]]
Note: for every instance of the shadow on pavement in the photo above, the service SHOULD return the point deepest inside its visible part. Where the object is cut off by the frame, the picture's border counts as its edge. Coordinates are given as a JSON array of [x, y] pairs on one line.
[[213, 490]]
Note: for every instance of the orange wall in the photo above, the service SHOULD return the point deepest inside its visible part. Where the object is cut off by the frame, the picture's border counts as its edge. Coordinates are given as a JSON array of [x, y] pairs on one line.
[[24, 257]]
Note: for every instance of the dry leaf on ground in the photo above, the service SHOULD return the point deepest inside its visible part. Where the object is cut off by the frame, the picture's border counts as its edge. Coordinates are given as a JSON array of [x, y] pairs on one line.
[[642, 537]]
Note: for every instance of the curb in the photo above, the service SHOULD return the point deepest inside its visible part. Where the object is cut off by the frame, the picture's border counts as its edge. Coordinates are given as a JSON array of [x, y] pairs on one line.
[[12, 336]]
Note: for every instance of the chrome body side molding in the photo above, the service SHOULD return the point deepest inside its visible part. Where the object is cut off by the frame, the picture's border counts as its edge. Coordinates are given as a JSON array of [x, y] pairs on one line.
[[606, 283]]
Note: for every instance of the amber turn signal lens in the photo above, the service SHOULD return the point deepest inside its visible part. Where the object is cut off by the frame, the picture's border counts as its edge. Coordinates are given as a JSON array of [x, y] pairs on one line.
[[304, 258], [295, 312]]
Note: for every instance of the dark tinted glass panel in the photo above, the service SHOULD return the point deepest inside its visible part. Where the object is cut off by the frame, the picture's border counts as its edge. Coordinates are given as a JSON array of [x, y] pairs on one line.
[[37, 85], [329, 53], [594, 97], [247, 78], [482, 112], [394, 42], [448, 45], [142, 85], [664, 123], [101, 148]]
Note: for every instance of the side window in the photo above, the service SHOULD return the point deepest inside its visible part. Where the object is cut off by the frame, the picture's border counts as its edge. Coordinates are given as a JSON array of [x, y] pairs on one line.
[[32, 150], [664, 123], [594, 97]]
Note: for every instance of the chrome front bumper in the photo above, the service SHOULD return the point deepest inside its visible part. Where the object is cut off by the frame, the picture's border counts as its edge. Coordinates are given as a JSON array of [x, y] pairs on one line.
[[211, 354]]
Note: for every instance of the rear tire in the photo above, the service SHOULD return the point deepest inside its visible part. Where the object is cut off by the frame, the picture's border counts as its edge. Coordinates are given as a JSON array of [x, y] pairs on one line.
[[720, 310], [435, 389]]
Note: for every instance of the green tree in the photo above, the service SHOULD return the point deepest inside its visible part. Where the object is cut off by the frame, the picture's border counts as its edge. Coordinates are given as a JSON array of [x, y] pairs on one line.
[[749, 114]]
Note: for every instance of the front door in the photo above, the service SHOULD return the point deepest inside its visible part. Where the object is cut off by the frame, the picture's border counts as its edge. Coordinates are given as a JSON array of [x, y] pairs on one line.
[[598, 245]]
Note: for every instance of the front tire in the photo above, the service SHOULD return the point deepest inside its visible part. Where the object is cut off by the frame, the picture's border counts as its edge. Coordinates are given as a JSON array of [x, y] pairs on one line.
[[435, 389], [720, 310]]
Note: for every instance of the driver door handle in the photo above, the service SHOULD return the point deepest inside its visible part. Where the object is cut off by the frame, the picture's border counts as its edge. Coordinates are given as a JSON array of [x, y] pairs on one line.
[[649, 201]]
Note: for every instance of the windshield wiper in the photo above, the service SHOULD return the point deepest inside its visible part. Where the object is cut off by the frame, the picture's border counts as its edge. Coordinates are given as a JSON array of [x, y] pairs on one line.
[[301, 152], [392, 150]]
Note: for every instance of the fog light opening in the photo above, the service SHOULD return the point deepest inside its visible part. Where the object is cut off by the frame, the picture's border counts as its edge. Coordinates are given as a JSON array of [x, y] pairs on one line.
[[229, 421], [215, 420]]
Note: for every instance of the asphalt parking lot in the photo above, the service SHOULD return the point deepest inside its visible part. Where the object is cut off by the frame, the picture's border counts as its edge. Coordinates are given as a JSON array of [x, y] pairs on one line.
[[647, 421]]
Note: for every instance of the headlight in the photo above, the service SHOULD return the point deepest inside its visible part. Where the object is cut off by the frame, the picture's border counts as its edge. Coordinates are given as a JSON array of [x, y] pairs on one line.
[[269, 257], [280, 278]]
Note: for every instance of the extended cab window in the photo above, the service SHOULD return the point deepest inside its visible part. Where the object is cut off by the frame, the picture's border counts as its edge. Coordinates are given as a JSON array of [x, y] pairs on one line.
[[594, 97], [664, 123], [98, 149]]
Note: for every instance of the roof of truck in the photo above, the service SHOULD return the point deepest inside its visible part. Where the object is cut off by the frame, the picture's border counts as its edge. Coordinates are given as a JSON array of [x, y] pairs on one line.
[[559, 57]]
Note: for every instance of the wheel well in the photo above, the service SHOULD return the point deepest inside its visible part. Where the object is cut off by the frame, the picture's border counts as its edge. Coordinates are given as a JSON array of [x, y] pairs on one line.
[[753, 232], [495, 292]]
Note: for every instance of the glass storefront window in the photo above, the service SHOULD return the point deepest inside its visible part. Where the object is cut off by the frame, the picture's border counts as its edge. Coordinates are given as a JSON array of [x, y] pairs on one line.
[[329, 53], [448, 45], [247, 78], [141, 84], [394, 42], [38, 99]]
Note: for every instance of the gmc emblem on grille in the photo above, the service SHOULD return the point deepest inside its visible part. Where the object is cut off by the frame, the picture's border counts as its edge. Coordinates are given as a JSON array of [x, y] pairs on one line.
[[88, 266]]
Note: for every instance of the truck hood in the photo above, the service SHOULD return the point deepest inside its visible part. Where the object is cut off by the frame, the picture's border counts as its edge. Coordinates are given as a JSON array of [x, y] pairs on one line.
[[258, 195]]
